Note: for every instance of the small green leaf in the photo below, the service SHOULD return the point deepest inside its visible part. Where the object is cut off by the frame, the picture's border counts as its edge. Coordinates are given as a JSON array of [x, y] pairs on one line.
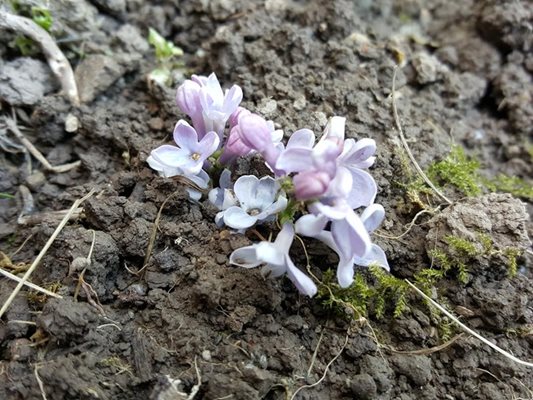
[[164, 49], [42, 17]]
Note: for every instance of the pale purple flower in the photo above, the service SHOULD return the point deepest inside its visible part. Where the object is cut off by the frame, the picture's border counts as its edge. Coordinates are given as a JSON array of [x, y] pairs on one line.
[[259, 200], [260, 135], [372, 217], [201, 178], [209, 107], [334, 131], [310, 184], [355, 157], [276, 258], [315, 226], [189, 157]]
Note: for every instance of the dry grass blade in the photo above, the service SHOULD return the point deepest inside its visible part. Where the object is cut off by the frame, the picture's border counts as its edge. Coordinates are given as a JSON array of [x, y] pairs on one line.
[[30, 285], [40, 383], [154, 232], [43, 251], [469, 330], [406, 146]]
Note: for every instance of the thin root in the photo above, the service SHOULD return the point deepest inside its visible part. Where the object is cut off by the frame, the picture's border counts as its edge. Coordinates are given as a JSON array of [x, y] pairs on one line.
[[39, 382], [12, 126], [57, 61], [406, 146], [468, 330], [325, 371]]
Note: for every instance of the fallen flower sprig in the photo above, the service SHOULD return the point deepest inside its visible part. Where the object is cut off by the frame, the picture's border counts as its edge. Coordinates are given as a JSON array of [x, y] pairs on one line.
[[315, 190]]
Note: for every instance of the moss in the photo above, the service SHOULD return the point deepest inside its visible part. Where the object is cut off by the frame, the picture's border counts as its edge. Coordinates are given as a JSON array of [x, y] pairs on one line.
[[457, 170], [510, 184], [370, 293]]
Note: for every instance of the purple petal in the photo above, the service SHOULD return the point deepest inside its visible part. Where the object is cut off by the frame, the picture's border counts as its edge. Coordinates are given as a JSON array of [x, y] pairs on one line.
[[350, 236], [163, 169], [170, 156], [285, 238], [302, 138], [236, 218], [302, 282], [208, 145], [364, 189], [188, 98], [295, 159], [185, 136], [269, 253], [266, 191], [311, 225], [373, 216], [245, 188], [274, 208], [345, 272], [334, 132], [359, 152], [232, 99], [376, 255], [245, 257]]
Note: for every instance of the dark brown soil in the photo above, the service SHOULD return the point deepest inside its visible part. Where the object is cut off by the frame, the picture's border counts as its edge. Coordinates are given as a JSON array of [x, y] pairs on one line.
[[467, 79]]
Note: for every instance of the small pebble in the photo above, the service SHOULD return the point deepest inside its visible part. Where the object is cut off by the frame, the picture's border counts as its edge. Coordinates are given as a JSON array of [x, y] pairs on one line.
[[206, 355]]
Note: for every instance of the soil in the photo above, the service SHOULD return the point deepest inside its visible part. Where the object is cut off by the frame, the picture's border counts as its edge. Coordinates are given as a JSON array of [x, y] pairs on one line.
[[189, 315]]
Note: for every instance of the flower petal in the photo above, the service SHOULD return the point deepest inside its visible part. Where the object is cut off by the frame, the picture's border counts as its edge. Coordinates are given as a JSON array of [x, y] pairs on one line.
[[232, 99], [269, 253], [245, 257], [266, 191], [360, 152], [296, 159], [373, 216], [302, 282], [171, 156], [350, 236], [163, 169], [364, 189], [236, 218], [245, 188], [304, 138], [285, 238], [345, 272], [208, 145], [279, 205], [311, 225], [376, 255], [185, 136]]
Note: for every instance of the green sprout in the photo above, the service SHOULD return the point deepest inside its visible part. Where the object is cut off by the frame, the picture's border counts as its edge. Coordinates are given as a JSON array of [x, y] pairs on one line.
[[165, 52], [42, 17]]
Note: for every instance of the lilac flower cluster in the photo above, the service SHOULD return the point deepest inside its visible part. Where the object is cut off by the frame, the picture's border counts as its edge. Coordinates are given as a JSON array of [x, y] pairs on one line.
[[316, 186]]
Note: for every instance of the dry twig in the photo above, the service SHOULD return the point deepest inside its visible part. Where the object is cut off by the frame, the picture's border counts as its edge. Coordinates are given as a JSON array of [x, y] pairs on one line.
[[57, 61], [43, 251]]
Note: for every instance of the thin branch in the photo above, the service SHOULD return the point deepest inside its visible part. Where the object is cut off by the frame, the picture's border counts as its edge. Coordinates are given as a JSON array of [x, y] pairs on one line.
[[43, 251], [57, 61], [468, 330], [406, 146]]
